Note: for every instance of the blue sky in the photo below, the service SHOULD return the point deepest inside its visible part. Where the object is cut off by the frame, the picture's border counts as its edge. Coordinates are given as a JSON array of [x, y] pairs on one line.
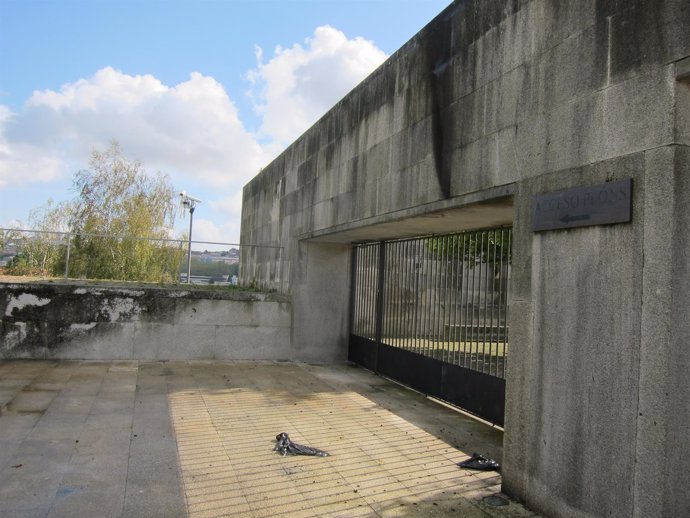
[[207, 91]]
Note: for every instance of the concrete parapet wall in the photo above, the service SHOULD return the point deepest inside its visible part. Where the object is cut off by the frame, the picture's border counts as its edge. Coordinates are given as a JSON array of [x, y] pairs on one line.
[[63, 321]]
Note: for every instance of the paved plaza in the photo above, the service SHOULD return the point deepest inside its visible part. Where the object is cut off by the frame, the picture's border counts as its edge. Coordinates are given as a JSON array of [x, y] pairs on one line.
[[169, 439]]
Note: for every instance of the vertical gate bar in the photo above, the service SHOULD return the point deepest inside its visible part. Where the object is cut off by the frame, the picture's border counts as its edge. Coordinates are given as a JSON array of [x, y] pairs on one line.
[[465, 295], [429, 300], [486, 329], [482, 291], [486, 296], [415, 301], [420, 302], [506, 341], [364, 272], [410, 307], [419, 313], [501, 297], [363, 294], [474, 303], [385, 287], [374, 290], [450, 283], [408, 291], [433, 297], [441, 299], [478, 304], [445, 325], [379, 293], [402, 294], [353, 287], [394, 292], [427, 288], [361, 273], [493, 305], [433, 313], [454, 293], [499, 324], [436, 275], [479, 301], [423, 330], [357, 289], [361, 302], [400, 333], [447, 301], [438, 302], [367, 300], [391, 296]]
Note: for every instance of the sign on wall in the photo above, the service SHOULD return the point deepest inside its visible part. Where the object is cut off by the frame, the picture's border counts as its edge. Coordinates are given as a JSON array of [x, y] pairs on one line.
[[602, 204]]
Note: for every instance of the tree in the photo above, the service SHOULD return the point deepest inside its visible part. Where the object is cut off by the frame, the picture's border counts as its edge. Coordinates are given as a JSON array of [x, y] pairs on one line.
[[118, 205], [42, 253]]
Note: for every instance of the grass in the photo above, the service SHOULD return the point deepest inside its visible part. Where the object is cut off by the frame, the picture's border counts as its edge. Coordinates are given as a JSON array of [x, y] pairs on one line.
[[33, 279]]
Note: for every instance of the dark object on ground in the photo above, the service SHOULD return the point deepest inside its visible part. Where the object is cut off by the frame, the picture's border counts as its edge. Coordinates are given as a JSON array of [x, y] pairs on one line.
[[495, 501], [479, 462], [284, 446]]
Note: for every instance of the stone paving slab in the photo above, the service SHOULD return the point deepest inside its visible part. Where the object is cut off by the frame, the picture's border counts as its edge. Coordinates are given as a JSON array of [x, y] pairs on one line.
[[169, 439]]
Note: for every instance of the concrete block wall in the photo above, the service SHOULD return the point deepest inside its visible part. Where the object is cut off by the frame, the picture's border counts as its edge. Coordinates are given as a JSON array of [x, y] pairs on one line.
[[66, 321], [524, 97]]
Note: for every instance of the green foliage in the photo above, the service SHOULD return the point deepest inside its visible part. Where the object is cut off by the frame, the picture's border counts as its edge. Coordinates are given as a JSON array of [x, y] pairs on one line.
[[118, 204], [488, 247], [42, 253]]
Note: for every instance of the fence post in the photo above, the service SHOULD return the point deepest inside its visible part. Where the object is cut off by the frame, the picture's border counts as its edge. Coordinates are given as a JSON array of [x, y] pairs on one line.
[[69, 246], [379, 300]]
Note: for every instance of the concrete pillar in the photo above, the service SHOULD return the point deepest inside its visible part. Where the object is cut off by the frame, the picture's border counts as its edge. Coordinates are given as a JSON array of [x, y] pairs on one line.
[[320, 296]]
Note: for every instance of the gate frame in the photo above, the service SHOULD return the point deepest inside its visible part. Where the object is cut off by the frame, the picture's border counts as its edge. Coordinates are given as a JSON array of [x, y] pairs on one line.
[[473, 391]]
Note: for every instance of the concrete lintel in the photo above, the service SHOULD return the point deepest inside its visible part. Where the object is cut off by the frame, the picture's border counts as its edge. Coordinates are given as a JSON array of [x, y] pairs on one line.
[[482, 209]]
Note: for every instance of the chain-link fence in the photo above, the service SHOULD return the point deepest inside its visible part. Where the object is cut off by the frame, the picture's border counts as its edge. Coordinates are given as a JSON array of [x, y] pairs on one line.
[[38, 253]]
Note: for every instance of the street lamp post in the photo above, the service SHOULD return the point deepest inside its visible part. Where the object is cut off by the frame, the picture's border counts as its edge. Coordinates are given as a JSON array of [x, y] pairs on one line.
[[189, 202]]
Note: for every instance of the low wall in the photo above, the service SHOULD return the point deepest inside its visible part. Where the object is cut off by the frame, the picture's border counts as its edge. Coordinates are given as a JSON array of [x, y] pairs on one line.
[[79, 321]]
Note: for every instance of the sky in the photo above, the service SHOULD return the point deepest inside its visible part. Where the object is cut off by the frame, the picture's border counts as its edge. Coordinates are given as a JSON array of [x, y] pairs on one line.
[[205, 91]]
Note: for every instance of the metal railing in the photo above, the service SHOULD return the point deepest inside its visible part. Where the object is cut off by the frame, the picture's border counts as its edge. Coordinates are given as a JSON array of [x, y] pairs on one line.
[[440, 296], [65, 254]]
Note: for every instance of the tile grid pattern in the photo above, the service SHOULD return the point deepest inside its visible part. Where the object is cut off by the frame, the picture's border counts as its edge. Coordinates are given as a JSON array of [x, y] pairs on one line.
[[379, 463]]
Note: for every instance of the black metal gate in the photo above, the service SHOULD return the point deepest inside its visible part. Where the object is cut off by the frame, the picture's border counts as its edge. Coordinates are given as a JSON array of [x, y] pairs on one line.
[[431, 312]]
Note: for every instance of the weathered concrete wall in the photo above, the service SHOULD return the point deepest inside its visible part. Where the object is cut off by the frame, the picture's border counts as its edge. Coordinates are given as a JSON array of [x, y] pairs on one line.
[[63, 321], [489, 105]]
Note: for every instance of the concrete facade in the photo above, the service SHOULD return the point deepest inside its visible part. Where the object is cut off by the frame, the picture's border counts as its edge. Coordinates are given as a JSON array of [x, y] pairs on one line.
[[489, 105], [73, 322]]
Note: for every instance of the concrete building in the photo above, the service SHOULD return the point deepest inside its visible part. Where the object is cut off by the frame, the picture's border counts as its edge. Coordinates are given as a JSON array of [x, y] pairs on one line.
[[490, 115]]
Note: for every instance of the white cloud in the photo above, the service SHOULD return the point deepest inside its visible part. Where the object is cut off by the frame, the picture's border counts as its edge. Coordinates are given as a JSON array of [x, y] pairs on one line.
[[231, 205], [299, 84], [190, 130]]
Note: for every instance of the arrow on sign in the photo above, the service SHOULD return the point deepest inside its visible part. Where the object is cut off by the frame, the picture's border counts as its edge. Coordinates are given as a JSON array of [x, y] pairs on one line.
[[569, 219]]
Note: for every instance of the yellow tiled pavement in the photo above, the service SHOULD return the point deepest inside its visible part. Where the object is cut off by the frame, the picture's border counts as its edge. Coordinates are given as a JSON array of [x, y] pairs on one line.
[[380, 464]]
